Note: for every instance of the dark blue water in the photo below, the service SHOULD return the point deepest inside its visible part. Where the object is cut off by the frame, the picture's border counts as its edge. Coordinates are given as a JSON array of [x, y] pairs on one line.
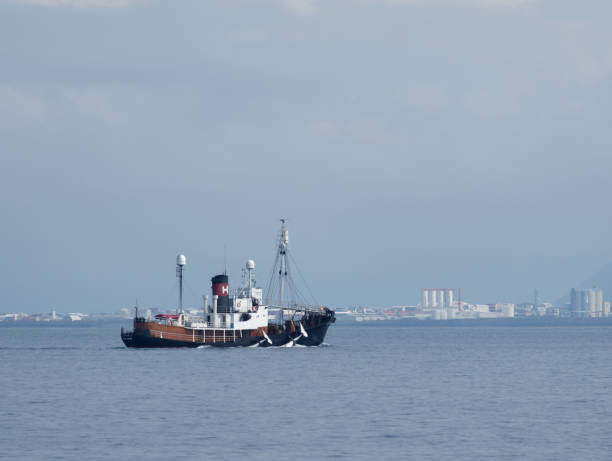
[[398, 392]]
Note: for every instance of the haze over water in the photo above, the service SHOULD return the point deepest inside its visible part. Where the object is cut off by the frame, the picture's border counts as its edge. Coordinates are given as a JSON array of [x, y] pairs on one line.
[[411, 144], [375, 392]]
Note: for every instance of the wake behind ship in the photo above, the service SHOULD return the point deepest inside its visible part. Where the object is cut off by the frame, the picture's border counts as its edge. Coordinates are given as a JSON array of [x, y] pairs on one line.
[[239, 319]]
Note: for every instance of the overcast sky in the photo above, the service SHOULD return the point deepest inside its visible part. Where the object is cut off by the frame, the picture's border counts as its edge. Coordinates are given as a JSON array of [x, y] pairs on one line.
[[411, 144]]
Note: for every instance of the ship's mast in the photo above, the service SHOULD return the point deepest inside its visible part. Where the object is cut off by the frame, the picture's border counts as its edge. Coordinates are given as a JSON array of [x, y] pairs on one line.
[[282, 248], [180, 263]]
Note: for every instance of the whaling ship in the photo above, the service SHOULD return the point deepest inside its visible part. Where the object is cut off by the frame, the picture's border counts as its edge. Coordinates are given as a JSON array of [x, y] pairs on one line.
[[239, 319]]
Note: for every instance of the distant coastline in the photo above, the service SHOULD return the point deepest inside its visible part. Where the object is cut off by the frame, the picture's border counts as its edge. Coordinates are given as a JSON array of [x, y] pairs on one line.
[[345, 323], [502, 322], [66, 323]]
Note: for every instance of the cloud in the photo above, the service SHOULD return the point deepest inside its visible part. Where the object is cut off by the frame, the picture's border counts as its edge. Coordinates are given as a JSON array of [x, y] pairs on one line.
[[304, 8], [488, 104], [80, 3], [423, 96], [99, 104], [307, 8], [506, 3], [18, 107], [458, 2], [96, 105]]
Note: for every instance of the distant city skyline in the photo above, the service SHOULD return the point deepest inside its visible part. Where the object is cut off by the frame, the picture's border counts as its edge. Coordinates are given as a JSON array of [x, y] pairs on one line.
[[409, 144]]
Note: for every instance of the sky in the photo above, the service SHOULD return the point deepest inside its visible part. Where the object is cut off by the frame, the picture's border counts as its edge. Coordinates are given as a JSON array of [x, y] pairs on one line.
[[409, 143]]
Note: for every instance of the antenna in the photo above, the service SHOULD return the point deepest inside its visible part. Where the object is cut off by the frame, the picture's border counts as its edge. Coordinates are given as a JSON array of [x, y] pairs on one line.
[[180, 264], [225, 258]]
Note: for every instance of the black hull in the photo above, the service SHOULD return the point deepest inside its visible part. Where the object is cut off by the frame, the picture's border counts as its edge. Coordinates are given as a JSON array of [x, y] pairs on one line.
[[145, 341], [316, 335], [316, 327]]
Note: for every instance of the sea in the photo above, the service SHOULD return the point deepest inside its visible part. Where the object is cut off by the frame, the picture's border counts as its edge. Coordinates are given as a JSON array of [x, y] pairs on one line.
[[371, 392]]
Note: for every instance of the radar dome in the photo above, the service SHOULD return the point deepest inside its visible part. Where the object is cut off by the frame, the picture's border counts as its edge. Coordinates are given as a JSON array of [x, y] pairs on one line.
[[181, 260], [250, 264]]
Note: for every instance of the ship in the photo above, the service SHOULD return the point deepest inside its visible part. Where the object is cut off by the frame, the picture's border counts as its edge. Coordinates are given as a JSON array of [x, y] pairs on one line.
[[239, 318]]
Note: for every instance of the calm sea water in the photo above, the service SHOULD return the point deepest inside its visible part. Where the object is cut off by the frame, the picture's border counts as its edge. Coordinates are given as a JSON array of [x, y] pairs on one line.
[[397, 392]]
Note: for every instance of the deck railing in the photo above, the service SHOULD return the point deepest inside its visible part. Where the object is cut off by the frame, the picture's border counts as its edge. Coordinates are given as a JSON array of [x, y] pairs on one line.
[[218, 335]]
